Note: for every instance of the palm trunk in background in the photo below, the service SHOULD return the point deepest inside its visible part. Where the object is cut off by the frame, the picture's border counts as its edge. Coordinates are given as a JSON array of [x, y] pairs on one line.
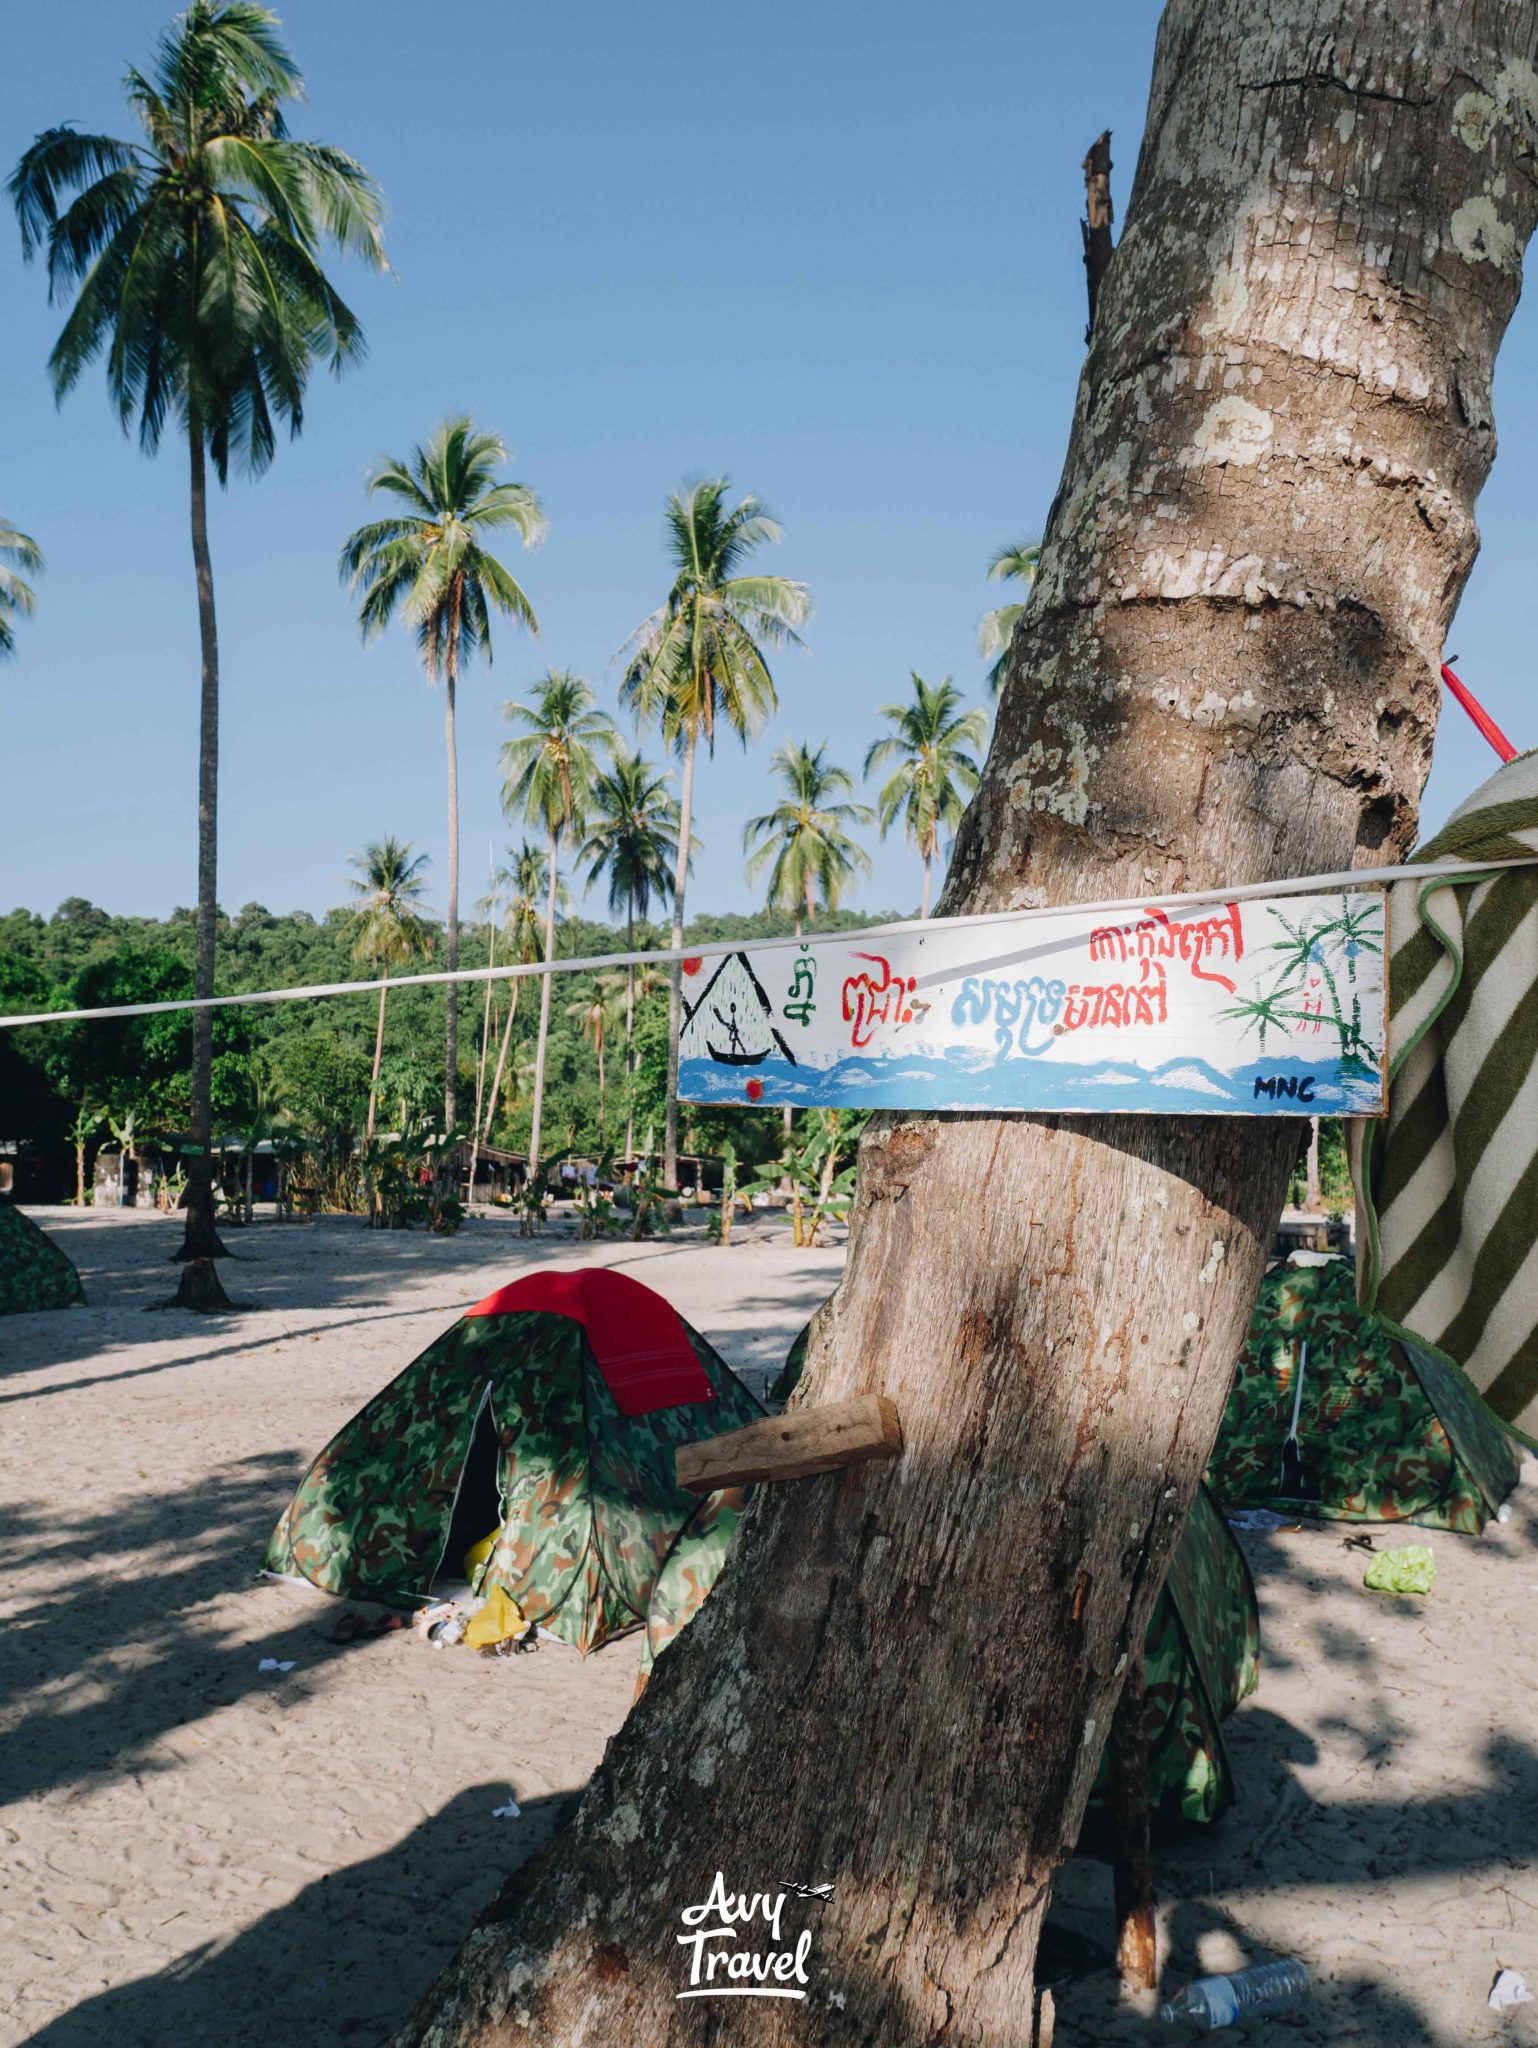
[[675, 975], [480, 1065], [200, 1288], [373, 1079], [451, 1016], [544, 1013], [1060, 1348], [630, 1029], [496, 1080], [928, 859]]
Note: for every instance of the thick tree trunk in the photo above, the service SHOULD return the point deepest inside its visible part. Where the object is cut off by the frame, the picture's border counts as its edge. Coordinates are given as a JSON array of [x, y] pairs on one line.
[[904, 1677], [544, 1009], [675, 972], [200, 1238], [1096, 224]]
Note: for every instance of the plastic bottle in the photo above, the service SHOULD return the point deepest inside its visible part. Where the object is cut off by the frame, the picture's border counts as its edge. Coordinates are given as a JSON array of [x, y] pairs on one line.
[[1213, 2002]]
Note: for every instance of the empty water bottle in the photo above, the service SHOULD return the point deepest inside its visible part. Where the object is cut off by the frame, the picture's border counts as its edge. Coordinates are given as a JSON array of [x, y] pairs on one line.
[[1213, 2002]]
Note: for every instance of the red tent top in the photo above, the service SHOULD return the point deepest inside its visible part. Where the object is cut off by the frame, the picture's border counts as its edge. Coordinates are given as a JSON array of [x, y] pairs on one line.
[[638, 1339]]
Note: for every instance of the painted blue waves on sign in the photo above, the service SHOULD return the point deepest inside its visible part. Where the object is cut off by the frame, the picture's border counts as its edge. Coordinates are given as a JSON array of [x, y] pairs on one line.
[[967, 1080]]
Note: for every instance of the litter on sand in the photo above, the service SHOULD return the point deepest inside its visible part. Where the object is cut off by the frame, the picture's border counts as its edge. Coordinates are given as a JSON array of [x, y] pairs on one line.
[[272, 1664], [1509, 1988], [1410, 1569], [511, 1811]]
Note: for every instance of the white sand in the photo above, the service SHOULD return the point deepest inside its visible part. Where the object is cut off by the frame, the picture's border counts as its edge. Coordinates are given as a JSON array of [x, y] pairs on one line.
[[193, 1853]]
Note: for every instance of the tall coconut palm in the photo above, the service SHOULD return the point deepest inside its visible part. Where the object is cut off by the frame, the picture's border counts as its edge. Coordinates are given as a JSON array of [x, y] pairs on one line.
[[934, 772], [193, 256], [699, 662], [632, 845], [388, 926], [1016, 564], [18, 553], [429, 561], [804, 841], [548, 775]]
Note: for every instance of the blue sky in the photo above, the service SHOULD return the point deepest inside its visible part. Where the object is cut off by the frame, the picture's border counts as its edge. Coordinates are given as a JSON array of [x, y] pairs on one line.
[[834, 254]]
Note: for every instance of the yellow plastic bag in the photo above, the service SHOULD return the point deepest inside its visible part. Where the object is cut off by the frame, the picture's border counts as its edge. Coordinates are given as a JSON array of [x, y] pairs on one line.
[[494, 1621], [478, 1553]]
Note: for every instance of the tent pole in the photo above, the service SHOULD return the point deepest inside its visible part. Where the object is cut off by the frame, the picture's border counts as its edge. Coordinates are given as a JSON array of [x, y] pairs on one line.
[[1136, 1947]]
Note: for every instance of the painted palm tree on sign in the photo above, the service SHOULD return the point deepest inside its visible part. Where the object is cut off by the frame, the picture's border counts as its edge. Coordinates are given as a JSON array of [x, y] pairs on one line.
[[193, 254], [20, 557], [1016, 564], [805, 840], [430, 562], [933, 773], [548, 776], [632, 845], [388, 926], [699, 662]]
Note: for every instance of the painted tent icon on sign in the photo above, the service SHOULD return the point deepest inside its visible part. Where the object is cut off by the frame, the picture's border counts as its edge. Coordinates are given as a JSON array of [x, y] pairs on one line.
[[731, 1020]]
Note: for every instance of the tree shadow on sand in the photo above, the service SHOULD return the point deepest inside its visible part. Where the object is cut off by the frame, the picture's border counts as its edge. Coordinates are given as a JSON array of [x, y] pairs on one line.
[[342, 1962]]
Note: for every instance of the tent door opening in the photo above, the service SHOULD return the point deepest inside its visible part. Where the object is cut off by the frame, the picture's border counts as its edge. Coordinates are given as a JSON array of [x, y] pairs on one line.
[[477, 1501]]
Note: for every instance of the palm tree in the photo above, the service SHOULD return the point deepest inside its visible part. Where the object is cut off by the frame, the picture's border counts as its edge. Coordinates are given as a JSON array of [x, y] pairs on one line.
[[195, 253], [387, 927], [699, 661], [933, 772], [996, 629], [807, 836], [632, 844], [548, 773], [429, 562], [18, 552], [523, 883]]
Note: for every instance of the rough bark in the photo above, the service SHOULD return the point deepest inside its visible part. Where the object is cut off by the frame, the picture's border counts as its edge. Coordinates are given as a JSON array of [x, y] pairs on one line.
[[1227, 671]]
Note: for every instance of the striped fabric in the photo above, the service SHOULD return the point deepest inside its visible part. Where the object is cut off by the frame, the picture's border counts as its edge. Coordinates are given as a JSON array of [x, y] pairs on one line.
[[1447, 1183]]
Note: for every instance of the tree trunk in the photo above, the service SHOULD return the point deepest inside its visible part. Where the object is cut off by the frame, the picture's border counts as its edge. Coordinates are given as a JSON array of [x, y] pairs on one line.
[[600, 1089], [451, 992], [247, 1210], [928, 865], [675, 974], [1137, 1947], [496, 1084], [544, 1012], [903, 1679], [480, 1068], [373, 1079], [630, 1030], [200, 1238], [1311, 1192], [1096, 224], [80, 1176]]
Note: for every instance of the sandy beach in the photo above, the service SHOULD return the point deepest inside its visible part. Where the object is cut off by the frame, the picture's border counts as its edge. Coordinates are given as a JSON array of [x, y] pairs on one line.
[[194, 1852]]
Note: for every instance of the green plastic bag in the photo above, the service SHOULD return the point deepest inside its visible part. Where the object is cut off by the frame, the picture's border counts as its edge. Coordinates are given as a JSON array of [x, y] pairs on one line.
[[1412, 1569]]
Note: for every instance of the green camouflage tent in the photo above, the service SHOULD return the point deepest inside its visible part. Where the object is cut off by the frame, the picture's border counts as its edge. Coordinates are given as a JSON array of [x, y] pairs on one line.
[[1201, 1656], [1330, 1416], [549, 1414], [34, 1273]]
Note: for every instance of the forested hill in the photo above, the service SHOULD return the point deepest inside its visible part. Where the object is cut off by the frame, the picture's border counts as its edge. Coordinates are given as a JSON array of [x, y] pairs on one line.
[[310, 1061]]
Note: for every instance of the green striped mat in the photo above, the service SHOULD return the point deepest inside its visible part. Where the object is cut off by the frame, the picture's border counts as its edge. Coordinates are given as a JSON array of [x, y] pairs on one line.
[[1448, 1181]]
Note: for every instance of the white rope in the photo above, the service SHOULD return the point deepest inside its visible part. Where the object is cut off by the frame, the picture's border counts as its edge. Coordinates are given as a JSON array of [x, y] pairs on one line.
[[1297, 885]]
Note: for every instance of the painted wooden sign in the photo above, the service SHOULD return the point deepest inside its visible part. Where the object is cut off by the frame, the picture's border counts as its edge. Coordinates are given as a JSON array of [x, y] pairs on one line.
[[1267, 1008]]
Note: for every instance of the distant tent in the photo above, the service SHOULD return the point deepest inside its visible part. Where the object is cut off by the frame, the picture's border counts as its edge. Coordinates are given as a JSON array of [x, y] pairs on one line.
[[34, 1272], [1330, 1416], [548, 1417], [1201, 1656]]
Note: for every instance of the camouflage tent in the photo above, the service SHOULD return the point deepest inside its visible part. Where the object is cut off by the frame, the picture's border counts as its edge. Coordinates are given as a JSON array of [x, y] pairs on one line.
[[1330, 1416], [547, 1416], [1201, 1656], [34, 1272]]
